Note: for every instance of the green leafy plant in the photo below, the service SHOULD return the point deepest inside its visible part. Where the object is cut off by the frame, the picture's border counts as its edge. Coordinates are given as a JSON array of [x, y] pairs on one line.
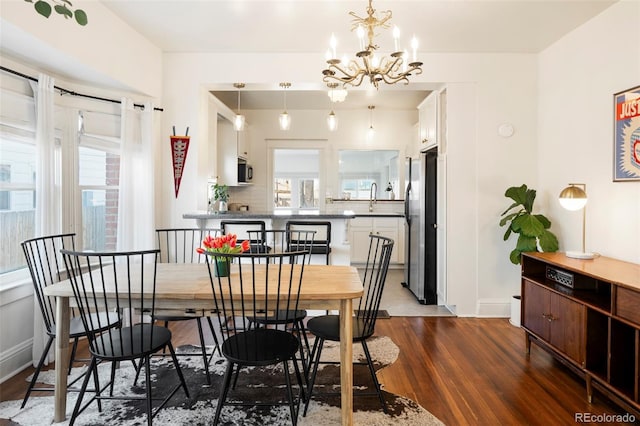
[[62, 7], [532, 229], [221, 192]]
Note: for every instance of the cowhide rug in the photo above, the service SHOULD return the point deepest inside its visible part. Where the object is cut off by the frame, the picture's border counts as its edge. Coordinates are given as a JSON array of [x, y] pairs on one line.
[[265, 384]]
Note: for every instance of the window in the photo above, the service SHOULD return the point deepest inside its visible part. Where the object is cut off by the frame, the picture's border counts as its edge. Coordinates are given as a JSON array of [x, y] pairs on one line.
[[17, 177], [359, 169], [98, 179], [296, 180]]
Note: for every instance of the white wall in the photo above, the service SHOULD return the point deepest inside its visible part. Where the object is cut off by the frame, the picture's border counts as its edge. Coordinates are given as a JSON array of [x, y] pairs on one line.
[[106, 50], [578, 77]]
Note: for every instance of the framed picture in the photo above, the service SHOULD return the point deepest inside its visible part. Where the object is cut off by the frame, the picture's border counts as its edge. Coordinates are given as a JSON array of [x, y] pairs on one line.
[[626, 140]]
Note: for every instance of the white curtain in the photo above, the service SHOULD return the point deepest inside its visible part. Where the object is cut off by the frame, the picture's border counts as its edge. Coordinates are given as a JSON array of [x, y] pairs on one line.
[[136, 227], [47, 217]]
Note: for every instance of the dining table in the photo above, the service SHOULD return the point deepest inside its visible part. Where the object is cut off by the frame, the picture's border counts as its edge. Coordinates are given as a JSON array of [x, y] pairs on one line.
[[188, 286]]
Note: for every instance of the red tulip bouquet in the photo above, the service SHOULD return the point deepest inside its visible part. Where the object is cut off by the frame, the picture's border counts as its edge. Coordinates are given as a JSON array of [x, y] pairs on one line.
[[223, 244]]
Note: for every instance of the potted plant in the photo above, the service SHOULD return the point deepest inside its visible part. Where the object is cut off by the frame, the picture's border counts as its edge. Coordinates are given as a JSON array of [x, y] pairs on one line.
[[532, 229], [221, 195]]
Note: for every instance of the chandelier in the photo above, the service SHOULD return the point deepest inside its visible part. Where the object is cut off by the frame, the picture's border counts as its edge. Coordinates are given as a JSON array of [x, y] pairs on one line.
[[389, 70]]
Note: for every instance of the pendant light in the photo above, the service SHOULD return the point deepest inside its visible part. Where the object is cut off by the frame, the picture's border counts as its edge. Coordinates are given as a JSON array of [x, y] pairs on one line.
[[238, 122], [332, 120], [370, 133], [285, 120]]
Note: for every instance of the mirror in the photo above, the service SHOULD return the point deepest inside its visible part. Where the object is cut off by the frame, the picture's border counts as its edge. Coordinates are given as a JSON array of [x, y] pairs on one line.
[[358, 169]]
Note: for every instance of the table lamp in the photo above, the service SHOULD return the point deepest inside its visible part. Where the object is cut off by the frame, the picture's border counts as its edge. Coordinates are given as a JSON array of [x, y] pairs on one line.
[[575, 198]]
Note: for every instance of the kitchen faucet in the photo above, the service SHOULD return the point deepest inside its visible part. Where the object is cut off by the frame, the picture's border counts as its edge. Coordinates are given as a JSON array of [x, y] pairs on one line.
[[373, 195]]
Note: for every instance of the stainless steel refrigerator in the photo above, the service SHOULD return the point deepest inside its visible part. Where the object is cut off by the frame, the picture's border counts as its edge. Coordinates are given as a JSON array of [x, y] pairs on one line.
[[420, 226]]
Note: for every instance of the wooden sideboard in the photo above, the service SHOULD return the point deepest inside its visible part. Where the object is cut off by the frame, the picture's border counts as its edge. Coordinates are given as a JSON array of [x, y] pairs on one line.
[[592, 328]]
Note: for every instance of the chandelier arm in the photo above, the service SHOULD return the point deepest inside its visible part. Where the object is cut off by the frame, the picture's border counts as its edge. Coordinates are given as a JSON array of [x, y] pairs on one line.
[[334, 67]]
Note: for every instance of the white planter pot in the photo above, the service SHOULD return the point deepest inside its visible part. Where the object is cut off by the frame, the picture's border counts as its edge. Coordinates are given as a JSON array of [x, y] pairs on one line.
[[515, 311], [222, 206]]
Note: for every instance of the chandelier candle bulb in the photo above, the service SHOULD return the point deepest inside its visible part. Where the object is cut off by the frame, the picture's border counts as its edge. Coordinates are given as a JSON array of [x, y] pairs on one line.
[[333, 43], [414, 46], [360, 33], [396, 36]]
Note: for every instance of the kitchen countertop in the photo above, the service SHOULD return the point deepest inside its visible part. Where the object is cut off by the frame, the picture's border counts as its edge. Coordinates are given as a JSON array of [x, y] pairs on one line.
[[380, 214], [269, 215]]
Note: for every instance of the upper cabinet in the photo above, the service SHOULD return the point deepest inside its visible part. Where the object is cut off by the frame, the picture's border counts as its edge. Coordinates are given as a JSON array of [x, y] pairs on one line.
[[233, 147], [428, 121], [243, 143]]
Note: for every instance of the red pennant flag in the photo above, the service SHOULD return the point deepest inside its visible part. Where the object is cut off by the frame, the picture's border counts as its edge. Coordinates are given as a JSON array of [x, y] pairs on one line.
[[179, 148]]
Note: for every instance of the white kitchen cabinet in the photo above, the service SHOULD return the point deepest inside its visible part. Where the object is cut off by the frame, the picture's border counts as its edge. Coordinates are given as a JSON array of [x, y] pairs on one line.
[[361, 227], [428, 121], [231, 146], [244, 143]]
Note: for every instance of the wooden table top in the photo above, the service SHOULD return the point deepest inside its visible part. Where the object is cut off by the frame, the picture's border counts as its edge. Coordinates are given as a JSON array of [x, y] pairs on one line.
[[187, 282]]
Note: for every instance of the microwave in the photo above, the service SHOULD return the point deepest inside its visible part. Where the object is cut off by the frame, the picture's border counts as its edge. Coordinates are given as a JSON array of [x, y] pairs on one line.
[[245, 172]]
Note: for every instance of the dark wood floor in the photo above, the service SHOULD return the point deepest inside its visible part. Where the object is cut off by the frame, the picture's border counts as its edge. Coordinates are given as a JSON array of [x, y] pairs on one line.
[[466, 371]]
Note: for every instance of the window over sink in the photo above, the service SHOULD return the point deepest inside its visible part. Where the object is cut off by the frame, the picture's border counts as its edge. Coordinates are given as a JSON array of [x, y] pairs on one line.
[[359, 169]]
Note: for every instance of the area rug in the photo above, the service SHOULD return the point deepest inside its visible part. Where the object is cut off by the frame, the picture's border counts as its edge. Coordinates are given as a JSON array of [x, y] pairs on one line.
[[265, 384]]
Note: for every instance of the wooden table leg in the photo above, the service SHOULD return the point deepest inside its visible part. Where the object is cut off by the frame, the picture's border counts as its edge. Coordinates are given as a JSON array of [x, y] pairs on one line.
[[346, 361], [62, 357]]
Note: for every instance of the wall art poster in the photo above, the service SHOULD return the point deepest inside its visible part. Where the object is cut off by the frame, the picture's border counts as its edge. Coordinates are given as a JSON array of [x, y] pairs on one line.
[[626, 162], [179, 149]]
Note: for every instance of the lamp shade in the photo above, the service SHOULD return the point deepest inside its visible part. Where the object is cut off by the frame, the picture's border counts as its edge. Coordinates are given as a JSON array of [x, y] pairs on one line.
[[573, 198], [332, 121], [238, 123], [285, 121]]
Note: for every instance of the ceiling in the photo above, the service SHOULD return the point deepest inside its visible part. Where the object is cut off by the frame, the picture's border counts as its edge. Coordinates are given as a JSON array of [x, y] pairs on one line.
[[305, 26]]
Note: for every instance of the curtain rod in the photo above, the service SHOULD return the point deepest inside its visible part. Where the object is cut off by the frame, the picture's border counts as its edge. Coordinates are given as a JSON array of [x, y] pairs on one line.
[[72, 93]]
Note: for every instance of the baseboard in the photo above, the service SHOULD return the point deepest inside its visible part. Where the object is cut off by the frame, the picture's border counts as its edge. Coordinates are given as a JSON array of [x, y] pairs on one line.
[[15, 359], [493, 308]]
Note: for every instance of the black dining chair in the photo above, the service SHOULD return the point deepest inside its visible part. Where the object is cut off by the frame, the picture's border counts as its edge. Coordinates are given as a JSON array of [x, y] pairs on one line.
[[123, 283], [322, 241], [281, 240], [241, 295], [46, 267], [327, 327], [178, 245]]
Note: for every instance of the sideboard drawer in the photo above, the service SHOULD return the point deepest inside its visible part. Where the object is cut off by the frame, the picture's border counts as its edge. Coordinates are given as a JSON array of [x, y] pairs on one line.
[[627, 303]]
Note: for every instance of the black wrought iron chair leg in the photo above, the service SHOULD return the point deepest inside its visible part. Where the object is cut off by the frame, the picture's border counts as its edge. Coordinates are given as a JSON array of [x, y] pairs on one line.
[[292, 408], [147, 379], [317, 351], [224, 391], [235, 378], [178, 369], [85, 382], [165, 325], [215, 337], [73, 353], [301, 384], [205, 357], [373, 375], [113, 375], [302, 331], [135, 380], [37, 372], [96, 383]]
